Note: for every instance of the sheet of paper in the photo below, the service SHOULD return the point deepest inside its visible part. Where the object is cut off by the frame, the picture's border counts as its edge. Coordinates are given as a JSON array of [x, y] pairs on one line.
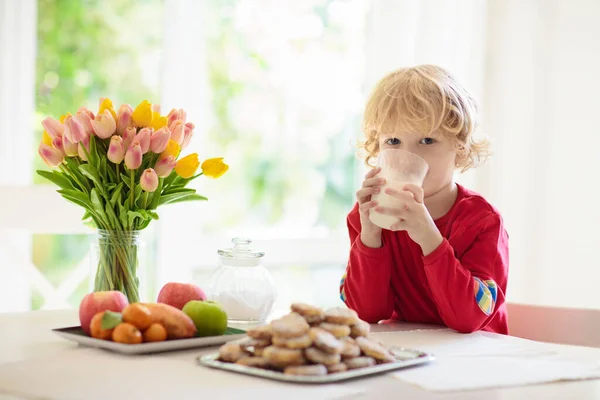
[[487, 360]]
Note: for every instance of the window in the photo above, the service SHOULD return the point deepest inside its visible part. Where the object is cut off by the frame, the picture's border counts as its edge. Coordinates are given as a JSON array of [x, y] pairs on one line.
[[274, 88]]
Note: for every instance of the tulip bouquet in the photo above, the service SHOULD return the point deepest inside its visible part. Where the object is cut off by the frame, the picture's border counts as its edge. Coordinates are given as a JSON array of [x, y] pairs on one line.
[[120, 166]]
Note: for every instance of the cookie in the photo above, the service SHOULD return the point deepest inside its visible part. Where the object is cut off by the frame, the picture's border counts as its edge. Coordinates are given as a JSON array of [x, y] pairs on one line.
[[320, 357], [289, 326], [262, 332], [300, 342], [258, 351], [249, 344], [255, 362], [280, 357], [373, 349], [231, 352], [306, 370], [350, 348], [334, 368], [341, 315], [361, 328], [337, 330], [325, 341], [359, 362], [313, 320], [312, 314]]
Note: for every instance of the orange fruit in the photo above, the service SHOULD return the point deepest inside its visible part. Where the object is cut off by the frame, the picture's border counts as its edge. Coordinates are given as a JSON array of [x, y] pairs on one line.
[[138, 315], [96, 328], [127, 333], [155, 333]]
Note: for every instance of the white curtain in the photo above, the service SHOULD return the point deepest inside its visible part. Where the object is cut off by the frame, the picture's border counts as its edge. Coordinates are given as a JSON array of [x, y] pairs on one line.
[[533, 66], [17, 80]]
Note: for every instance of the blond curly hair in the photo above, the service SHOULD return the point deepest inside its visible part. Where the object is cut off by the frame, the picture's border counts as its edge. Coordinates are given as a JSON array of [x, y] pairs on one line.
[[425, 99]]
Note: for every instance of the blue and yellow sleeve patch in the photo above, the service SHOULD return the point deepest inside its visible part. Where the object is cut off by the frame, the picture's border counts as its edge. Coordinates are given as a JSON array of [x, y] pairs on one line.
[[342, 293], [485, 295]]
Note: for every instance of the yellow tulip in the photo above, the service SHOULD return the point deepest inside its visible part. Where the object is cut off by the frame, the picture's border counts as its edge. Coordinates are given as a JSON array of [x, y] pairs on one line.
[[106, 104], [142, 115], [172, 150], [46, 139], [158, 121], [187, 166], [214, 167], [63, 117]]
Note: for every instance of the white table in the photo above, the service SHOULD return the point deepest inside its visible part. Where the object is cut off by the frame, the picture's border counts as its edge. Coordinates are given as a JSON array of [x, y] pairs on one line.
[[24, 336]]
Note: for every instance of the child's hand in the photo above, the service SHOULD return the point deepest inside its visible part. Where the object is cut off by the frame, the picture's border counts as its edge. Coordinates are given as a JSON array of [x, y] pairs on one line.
[[370, 233], [413, 217]]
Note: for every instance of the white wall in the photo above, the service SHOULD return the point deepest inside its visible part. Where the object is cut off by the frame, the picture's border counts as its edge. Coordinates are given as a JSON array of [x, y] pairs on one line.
[[541, 107]]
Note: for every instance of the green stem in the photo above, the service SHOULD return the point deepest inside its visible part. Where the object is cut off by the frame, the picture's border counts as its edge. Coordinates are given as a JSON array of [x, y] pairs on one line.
[[145, 202], [74, 176], [132, 189], [118, 173]]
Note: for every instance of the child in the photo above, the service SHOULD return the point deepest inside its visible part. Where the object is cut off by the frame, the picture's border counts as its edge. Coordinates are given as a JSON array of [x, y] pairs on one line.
[[446, 259]]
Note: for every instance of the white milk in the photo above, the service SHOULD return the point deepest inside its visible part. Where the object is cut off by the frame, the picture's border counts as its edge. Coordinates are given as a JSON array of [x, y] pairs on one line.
[[385, 200]]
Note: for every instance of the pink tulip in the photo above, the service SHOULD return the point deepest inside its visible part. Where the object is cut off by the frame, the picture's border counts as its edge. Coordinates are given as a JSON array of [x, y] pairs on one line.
[[156, 108], [74, 130], [124, 118], [159, 140], [172, 117], [177, 132], [128, 137], [104, 125], [133, 157], [84, 143], [83, 117], [164, 166], [143, 137], [149, 180], [53, 127], [57, 143], [51, 156], [188, 132], [116, 152], [70, 148], [85, 110]]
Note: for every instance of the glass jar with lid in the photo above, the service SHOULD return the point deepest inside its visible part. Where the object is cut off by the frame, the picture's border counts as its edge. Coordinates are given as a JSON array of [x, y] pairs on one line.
[[242, 285]]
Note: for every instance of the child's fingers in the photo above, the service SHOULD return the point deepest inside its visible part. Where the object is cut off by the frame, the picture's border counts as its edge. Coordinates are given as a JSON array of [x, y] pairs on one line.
[[365, 207], [372, 173], [403, 195], [363, 194], [373, 182], [417, 191], [394, 212], [399, 226]]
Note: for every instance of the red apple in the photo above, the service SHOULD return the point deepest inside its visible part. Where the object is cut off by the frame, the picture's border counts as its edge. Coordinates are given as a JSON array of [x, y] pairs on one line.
[[96, 302], [178, 294]]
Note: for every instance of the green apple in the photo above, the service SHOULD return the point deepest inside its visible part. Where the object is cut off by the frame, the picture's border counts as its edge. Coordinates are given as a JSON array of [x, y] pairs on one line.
[[208, 316]]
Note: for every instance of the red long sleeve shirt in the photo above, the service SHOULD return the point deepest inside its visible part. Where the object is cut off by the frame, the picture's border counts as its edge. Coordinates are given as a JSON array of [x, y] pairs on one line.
[[461, 284]]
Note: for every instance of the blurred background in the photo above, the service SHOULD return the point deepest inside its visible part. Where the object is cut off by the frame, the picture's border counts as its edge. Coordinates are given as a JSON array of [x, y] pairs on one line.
[[277, 88]]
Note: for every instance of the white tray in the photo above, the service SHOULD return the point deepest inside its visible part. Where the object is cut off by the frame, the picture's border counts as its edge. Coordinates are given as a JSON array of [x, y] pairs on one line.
[[405, 358], [76, 334]]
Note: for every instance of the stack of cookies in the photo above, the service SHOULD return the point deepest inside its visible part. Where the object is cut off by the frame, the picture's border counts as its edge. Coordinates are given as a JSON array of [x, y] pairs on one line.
[[309, 341]]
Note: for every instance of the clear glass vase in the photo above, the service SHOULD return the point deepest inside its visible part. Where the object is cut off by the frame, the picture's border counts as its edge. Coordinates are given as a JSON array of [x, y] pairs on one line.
[[115, 262]]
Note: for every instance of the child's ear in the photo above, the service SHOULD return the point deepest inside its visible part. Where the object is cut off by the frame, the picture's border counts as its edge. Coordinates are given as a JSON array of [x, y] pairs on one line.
[[461, 155]]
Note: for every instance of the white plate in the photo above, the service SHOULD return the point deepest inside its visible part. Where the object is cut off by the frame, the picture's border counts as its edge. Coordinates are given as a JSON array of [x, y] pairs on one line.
[[76, 334], [404, 358]]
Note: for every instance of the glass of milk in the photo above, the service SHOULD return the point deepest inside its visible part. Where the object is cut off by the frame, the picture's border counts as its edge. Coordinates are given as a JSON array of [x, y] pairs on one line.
[[398, 167]]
